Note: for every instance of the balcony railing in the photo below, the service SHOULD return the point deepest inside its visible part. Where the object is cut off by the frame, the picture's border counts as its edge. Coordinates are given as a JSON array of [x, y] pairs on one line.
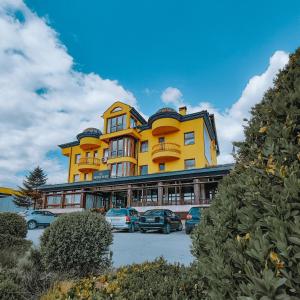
[[170, 147], [92, 161]]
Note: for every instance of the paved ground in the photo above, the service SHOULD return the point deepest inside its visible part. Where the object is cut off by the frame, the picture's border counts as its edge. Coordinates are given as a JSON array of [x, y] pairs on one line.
[[138, 247]]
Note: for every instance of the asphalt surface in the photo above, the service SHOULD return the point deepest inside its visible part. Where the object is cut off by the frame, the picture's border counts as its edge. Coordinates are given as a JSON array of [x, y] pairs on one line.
[[138, 247]]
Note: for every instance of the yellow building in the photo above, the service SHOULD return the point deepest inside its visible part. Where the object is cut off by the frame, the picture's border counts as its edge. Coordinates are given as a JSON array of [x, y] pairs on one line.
[[171, 159], [129, 145]]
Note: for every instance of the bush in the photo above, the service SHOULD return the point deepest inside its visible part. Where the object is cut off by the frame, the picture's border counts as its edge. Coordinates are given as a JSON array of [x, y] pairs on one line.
[[11, 291], [13, 224], [16, 243], [78, 244], [248, 244], [146, 281]]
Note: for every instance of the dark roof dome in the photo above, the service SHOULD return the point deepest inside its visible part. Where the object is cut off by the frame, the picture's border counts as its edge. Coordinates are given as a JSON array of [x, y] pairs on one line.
[[89, 132], [92, 130], [165, 109]]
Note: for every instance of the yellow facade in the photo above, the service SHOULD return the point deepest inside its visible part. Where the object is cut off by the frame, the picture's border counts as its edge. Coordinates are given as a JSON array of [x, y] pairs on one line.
[[176, 141]]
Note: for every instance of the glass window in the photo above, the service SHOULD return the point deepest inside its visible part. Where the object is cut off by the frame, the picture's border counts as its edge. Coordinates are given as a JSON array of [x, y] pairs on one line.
[[188, 194], [189, 163], [77, 158], [54, 200], [144, 146], [72, 199], [189, 138], [116, 109], [76, 177], [113, 170], [122, 147], [207, 142], [144, 170], [161, 167], [88, 154], [85, 177], [116, 124], [122, 169], [105, 152], [161, 140], [132, 122], [96, 153]]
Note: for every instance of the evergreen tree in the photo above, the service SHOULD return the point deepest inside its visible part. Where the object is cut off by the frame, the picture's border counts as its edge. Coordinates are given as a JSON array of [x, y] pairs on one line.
[[248, 242], [29, 195]]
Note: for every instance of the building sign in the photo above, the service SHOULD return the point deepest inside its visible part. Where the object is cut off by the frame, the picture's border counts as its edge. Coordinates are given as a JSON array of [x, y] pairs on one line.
[[101, 175]]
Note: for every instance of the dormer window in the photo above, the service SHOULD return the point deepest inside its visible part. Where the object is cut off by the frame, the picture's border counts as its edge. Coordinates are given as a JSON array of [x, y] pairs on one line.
[[116, 109], [116, 124]]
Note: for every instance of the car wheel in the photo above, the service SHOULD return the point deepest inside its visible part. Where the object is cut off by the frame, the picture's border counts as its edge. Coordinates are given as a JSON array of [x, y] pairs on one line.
[[187, 230], [131, 228], [179, 227], [142, 230], [32, 224], [167, 228]]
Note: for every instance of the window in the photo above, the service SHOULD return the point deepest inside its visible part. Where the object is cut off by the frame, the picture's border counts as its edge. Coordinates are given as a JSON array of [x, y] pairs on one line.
[[161, 167], [132, 122], [207, 145], [122, 169], [161, 140], [144, 170], [116, 109], [105, 152], [96, 153], [85, 177], [116, 124], [76, 177], [88, 154], [77, 158], [189, 163], [188, 194], [122, 147], [54, 200], [144, 146], [189, 138], [72, 200]]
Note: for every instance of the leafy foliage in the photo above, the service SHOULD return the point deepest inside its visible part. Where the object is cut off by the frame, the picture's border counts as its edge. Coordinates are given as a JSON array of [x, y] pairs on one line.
[[146, 281], [248, 244], [13, 224], [77, 243], [29, 194]]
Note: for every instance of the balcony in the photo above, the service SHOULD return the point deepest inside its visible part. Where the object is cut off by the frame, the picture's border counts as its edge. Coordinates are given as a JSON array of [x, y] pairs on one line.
[[164, 126], [164, 152], [88, 164]]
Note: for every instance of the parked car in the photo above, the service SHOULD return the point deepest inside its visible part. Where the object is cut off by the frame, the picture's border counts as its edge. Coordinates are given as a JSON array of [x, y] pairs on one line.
[[160, 219], [35, 218], [192, 219], [123, 218]]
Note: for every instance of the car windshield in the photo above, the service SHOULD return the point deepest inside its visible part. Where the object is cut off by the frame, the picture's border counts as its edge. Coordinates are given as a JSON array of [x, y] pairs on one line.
[[155, 212], [195, 211], [117, 212]]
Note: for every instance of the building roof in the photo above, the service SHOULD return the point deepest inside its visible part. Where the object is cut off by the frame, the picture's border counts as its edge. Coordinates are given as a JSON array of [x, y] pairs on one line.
[[184, 174], [7, 191]]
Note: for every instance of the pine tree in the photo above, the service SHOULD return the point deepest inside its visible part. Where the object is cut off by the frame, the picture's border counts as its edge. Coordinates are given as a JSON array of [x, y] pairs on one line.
[[248, 242], [29, 195]]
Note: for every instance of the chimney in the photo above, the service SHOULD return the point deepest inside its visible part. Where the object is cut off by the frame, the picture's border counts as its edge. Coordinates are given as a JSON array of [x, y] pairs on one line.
[[182, 110]]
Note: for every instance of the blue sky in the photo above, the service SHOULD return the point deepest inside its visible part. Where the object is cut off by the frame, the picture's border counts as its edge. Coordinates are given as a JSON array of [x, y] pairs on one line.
[[62, 63], [207, 49]]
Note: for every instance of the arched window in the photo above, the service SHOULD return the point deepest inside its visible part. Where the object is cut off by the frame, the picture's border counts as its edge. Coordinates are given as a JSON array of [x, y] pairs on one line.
[[116, 109]]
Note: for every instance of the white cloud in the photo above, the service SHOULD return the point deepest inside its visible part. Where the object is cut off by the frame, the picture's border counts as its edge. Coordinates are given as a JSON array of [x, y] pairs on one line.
[[172, 96], [229, 123], [44, 101]]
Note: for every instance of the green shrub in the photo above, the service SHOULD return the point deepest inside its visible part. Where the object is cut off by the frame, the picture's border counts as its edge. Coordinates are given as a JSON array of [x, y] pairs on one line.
[[16, 243], [13, 224], [11, 291], [78, 244], [248, 244], [146, 281]]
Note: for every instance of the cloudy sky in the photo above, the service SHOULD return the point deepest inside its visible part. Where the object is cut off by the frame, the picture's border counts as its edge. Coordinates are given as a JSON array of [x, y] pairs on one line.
[[61, 66]]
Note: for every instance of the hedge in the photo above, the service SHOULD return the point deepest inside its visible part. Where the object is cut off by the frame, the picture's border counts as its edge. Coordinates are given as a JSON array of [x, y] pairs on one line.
[[13, 224]]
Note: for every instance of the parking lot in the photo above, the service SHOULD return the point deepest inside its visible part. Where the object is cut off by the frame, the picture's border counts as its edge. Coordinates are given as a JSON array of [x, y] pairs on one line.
[[137, 247]]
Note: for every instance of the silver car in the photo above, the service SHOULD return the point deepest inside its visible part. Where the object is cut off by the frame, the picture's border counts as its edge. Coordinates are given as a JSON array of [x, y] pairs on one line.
[[123, 218]]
